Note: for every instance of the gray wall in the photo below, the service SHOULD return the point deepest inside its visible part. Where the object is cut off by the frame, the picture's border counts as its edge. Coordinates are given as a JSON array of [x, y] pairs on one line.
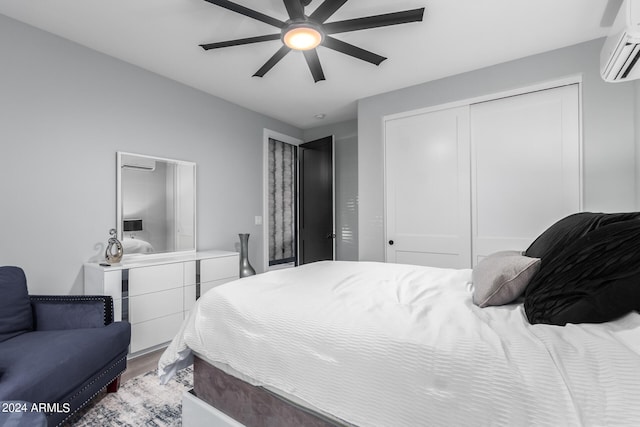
[[65, 110], [609, 147], [346, 177]]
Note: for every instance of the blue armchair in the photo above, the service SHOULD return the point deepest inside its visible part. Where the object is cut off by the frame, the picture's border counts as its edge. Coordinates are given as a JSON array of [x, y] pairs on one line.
[[57, 352]]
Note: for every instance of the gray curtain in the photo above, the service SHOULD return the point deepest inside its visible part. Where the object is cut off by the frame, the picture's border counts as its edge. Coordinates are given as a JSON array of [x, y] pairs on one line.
[[282, 202]]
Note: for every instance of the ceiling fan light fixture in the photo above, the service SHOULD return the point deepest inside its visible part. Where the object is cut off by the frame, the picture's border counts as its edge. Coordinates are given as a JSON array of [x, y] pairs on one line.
[[302, 37], [304, 32]]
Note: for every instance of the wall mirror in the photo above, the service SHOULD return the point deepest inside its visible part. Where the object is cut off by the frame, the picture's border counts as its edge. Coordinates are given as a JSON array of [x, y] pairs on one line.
[[156, 205]]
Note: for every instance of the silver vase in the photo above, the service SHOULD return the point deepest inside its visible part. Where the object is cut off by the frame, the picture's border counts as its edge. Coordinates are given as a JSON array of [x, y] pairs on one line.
[[114, 251], [245, 266]]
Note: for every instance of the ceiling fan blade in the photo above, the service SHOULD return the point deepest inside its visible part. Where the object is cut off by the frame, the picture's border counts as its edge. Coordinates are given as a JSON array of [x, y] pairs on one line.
[[351, 50], [375, 21], [247, 12], [313, 61], [294, 9], [272, 61], [239, 42], [326, 9]]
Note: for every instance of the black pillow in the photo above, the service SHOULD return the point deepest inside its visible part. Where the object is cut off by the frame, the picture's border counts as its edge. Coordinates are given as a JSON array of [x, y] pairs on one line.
[[571, 228], [593, 280]]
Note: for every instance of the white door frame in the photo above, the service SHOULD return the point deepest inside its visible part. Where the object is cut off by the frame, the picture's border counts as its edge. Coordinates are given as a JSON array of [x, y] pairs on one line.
[[268, 133]]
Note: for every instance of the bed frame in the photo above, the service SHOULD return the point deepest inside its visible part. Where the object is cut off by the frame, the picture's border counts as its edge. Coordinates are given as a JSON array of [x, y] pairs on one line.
[[221, 400]]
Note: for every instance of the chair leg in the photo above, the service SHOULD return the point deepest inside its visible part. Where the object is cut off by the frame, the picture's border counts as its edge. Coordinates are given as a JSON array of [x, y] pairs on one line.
[[114, 385]]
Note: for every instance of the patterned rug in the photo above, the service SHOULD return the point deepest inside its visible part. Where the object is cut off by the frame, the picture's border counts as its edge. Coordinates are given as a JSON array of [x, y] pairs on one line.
[[141, 401]]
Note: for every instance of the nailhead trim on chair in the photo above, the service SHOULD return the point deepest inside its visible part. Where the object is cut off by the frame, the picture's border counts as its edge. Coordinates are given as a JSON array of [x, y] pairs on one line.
[[95, 394], [106, 300], [108, 319]]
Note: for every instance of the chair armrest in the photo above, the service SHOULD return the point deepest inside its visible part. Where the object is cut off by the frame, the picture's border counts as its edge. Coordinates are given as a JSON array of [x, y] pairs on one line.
[[55, 312]]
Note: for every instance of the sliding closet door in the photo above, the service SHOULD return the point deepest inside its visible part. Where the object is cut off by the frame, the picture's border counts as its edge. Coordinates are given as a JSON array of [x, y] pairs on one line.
[[427, 189], [525, 167]]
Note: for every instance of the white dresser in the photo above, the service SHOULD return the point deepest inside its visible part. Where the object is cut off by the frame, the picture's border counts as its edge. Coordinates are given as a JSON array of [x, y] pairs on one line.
[[156, 294]]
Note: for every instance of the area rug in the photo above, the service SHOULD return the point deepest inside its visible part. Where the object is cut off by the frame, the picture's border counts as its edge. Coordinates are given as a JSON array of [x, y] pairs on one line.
[[141, 401]]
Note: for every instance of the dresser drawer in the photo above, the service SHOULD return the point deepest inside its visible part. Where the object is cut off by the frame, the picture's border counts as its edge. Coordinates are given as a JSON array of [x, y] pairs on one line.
[[158, 304], [189, 273], [207, 286], [189, 298], [219, 268], [154, 332], [155, 278], [117, 309], [113, 284]]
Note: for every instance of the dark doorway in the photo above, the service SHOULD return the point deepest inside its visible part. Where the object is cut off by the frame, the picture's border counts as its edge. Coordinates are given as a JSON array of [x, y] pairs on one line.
[[317, 234]]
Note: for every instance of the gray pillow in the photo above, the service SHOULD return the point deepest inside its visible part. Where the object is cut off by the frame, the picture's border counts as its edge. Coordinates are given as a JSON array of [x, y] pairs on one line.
[[502, 277]]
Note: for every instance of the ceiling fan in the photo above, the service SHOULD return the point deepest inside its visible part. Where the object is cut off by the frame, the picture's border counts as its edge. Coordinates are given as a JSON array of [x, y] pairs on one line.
[[305, 33]]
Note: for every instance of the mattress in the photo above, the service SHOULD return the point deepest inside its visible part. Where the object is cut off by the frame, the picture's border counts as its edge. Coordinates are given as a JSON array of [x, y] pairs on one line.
[[253, 405], [377, 344]]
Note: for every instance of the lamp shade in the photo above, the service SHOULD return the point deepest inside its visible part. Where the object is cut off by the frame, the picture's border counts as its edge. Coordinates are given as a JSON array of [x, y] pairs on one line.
[[132, 225]]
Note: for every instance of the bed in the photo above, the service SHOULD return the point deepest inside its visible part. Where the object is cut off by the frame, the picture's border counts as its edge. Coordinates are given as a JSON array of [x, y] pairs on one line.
[[375, 344], [136, 246]]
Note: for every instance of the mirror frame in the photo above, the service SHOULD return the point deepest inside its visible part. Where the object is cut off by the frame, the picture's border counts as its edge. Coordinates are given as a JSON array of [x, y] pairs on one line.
[[119, 213]]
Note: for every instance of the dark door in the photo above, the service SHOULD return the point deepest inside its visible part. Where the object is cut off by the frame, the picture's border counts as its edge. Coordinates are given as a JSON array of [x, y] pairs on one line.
[[316, 200]]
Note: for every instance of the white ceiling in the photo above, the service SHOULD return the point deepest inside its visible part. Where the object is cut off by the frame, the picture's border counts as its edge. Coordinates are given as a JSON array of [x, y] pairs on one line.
[[162, 36]]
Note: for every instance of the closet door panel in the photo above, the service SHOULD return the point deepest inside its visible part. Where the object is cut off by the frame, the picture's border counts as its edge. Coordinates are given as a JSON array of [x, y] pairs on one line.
[[525, 154], [427, 189]]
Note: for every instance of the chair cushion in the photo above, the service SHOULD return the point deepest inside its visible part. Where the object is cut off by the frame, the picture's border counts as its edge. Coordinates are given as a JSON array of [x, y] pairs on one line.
[[15, 306], [44, 366]]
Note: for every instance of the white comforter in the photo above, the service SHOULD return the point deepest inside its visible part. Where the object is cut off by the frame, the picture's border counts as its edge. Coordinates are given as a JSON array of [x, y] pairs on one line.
[[396, 345]]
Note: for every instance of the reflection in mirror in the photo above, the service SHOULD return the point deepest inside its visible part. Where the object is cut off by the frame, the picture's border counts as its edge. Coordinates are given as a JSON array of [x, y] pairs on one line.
[[156, 204]]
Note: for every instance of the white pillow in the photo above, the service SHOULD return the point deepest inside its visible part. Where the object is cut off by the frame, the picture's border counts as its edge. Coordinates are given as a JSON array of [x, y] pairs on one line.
[[502, 277]]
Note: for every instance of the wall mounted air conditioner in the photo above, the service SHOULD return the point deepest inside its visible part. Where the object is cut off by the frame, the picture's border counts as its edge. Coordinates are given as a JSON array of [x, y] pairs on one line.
[[138, 162], [619, 59]]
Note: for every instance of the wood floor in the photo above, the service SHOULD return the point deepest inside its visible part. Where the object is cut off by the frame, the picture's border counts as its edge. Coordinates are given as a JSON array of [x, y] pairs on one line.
[[141, 365]]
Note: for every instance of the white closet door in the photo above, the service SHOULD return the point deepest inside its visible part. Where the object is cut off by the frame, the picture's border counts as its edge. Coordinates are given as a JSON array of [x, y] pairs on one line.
[[427, 194], [525, 169]]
